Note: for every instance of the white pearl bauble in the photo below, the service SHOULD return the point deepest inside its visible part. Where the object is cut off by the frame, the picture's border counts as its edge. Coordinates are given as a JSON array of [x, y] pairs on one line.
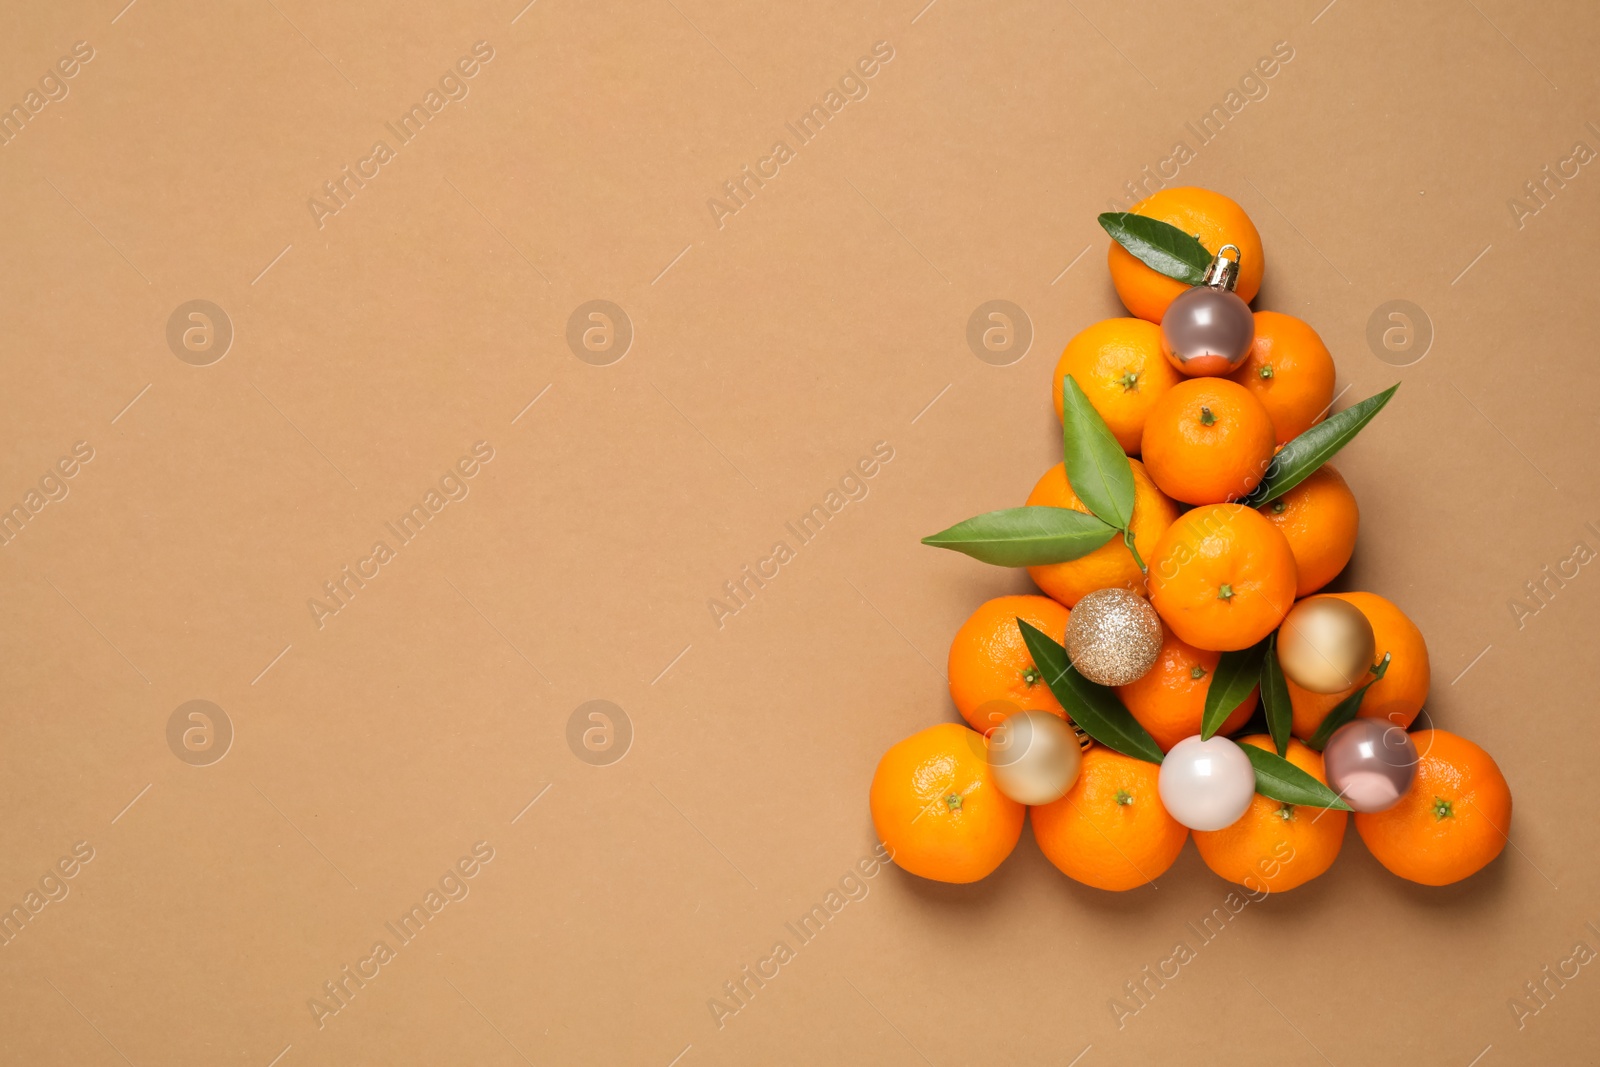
[[1034, 757], [1206, 785]]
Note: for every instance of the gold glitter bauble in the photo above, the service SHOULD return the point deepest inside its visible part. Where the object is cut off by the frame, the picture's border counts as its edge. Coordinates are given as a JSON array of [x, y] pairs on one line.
[[1326, 645], [1113, 636], [1034, 757]]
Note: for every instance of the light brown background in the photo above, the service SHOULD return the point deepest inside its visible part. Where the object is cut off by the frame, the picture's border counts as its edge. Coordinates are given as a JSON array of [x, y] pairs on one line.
[[769, 356]]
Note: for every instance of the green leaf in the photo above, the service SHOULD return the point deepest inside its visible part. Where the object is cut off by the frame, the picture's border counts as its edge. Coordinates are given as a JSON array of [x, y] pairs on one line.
[[1097, 468], [1303, 455], [1025, 537], [1159, 245], [1275, 698], [1278, 779], [1093, 707], [1236, 674], [1346, 709]]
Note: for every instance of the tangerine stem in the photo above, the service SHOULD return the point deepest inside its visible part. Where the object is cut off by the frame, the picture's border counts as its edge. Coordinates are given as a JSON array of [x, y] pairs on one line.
[[1127, 539], [1382, 666]]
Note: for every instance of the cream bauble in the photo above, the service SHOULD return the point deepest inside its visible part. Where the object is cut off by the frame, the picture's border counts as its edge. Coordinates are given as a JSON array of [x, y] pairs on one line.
[[1034, 757], [1326, 645]]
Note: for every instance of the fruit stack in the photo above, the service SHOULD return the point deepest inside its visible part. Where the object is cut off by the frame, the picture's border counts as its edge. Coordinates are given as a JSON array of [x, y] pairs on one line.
[[1180, 546]]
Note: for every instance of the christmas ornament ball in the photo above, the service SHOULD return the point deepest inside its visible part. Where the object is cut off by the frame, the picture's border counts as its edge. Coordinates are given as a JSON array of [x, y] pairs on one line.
[[1113, 636], [1034, 757], [1370, 763], [1326, 645], [1207, 331], [1206, 785]]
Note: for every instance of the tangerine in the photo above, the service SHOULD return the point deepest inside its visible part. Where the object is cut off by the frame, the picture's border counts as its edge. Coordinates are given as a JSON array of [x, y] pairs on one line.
[[1276, 846], [1290, 371], [1399, 695], [1222, 577], [991, 671], [1207, 441], [1214, 219], [1319, 518], [1170, 699], [1119, 366], [1111, 564], [1452, 821], [936, 807], [1110, 830]]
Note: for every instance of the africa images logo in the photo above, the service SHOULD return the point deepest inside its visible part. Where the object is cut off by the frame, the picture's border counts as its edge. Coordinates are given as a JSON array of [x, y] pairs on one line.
[[340, 190], [453, 486], [452, 887], [739, 190], [53, 88], [739, 592]]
